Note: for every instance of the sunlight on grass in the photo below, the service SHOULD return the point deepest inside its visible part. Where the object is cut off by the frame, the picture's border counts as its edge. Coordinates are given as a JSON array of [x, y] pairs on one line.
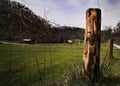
[[44, 64]]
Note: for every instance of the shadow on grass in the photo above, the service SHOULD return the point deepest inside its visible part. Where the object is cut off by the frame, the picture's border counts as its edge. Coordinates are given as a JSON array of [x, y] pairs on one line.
[[111, 81], [116, 59]]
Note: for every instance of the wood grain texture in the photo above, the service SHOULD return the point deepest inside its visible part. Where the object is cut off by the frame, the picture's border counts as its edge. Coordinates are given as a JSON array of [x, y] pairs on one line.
[[91, 54]]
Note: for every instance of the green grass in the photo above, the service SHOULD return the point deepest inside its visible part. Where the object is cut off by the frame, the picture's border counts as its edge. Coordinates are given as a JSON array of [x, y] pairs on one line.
[[35, 64], [45, 64]]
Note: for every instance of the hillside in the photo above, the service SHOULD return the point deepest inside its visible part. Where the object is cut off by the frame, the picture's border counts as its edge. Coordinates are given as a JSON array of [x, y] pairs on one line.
[[18, 22], [59, 34]]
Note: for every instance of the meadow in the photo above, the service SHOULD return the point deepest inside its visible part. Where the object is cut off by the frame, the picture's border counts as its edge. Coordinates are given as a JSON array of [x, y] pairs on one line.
[[50, 65]]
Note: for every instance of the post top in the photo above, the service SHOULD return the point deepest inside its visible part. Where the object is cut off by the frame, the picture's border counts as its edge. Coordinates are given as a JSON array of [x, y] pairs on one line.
[[97, 9], [89, 11]]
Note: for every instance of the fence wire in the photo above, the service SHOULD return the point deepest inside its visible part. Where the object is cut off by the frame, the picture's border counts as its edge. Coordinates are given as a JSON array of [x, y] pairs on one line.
[[36, 65]]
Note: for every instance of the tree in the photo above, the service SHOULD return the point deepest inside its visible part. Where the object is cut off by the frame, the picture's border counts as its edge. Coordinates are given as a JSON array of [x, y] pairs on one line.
[[116, 33], [106, 34]]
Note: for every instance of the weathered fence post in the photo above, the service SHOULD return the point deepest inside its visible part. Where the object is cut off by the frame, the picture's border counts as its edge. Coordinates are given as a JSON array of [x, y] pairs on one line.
[[91, 53], [108, 54], [109, 50]]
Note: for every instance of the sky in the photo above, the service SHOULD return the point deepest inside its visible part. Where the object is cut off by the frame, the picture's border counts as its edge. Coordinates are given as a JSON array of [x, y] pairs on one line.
[[73, 12]]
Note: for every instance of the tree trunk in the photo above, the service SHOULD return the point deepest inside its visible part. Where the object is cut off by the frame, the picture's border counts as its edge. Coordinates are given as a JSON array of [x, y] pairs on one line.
[[91, 53]]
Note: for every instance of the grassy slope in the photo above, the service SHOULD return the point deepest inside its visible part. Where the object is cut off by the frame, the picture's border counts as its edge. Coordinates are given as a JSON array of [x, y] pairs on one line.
[[112, 72], [26, 65]]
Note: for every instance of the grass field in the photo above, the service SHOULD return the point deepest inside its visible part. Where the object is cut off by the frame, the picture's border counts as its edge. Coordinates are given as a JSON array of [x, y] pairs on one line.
[[47, 64]]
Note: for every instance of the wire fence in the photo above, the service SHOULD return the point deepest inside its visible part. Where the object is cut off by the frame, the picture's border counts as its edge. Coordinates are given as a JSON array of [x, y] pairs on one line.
[[36, 65]]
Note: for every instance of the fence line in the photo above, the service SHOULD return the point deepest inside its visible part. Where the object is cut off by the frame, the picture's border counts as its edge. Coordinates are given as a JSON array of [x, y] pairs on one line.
[[47, 71]]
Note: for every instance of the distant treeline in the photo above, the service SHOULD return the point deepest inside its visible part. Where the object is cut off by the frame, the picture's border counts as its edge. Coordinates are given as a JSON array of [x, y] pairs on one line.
[[59, 34], [110, 32], [18, 22]]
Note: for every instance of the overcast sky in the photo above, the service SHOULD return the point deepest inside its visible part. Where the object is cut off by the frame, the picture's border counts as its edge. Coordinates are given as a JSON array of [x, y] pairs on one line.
[[72, 12]]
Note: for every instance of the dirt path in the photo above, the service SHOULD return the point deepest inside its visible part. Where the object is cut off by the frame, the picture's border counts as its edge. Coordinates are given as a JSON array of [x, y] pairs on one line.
[[117, 46], [2, 42]]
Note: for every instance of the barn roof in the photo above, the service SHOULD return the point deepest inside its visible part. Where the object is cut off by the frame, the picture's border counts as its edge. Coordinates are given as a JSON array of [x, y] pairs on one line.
[[26, 39]]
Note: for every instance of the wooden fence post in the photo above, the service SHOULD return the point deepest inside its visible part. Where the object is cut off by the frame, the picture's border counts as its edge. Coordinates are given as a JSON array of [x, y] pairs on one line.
[[109, 50], [91, 53]]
